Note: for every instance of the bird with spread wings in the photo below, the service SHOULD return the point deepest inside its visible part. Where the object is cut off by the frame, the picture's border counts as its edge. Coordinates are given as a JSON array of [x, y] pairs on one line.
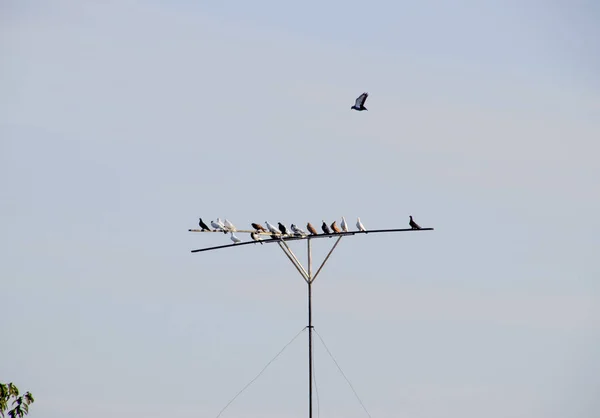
[[359, 104]]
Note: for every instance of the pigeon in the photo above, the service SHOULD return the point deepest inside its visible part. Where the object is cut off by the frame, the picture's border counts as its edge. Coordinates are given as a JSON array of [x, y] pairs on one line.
[[218, 225], [325, 228], [282, 228], [256, 237], [335, 228], [203, 225], [272, 229], [413, 224], [229, 225], [311, 229], [297, 231], [344, 225], [359, 104], [258, 227], [360, 226], [235, 239], [220, 222]]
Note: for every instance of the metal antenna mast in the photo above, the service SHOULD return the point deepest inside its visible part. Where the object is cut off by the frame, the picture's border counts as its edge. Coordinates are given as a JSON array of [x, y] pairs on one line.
[[307, 274], [310, 350], [309, 278]]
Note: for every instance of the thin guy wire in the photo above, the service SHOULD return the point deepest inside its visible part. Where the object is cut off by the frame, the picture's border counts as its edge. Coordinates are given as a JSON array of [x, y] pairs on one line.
[[261, 372], [340, 369]]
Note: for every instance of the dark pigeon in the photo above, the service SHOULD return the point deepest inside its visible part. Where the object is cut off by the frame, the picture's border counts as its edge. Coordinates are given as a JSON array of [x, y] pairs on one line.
[[203, 225], [282, 228], [359, 104], [413, 224]]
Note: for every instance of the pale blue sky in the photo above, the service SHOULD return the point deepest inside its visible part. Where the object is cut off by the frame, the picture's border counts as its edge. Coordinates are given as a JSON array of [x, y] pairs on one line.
[[121, 122]]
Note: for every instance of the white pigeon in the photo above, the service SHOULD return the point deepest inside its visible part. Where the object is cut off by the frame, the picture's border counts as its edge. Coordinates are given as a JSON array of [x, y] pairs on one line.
[[344, 225], [235, 239], [229, 225], [297, 230], [256, 237], [360, 226], [272, 229], [218, 225]]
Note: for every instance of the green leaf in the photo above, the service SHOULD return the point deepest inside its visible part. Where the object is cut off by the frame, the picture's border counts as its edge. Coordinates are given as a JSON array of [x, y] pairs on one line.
[[4, 393], [28, 398], [8, 392], [17, 412]]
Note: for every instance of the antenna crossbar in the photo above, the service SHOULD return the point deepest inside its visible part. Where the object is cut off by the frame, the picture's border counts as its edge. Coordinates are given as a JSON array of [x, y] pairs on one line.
[[280, 238]]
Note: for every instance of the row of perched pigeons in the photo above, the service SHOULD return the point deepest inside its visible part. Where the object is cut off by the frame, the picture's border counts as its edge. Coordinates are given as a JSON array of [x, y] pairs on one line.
[[226, 226]]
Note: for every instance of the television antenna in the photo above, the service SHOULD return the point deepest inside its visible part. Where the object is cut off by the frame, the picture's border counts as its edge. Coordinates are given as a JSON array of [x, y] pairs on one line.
[[306, 273]]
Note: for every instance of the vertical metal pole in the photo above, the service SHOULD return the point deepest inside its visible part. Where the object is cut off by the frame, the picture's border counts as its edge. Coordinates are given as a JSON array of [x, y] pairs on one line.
[[309, 261], [310, 409]]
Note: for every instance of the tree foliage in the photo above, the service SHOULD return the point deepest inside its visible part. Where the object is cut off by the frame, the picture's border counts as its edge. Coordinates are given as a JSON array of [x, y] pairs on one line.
[[10, 398]]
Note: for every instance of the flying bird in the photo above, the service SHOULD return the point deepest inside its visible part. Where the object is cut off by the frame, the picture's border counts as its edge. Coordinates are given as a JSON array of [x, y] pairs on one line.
[[229, 225], [359, 104], [235, 239], [297, 231], [282, 228], [413, 224], [335, 228], [203, 225], [311, 229], [218, 225], [325, 228], [256, 237], [272, 229], [258, 227], [360, 226], [344, 225]]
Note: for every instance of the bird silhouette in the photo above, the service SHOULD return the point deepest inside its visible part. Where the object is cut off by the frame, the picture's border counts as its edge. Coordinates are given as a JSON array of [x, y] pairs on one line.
[[325, 228], [311, 229], [359, 104], [203, 225], [235, 239], [335, 228], [282, 228], [413, 224]]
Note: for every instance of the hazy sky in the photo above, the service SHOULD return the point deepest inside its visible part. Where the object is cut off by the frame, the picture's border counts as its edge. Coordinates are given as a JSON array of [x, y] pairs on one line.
[[121, 122]]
